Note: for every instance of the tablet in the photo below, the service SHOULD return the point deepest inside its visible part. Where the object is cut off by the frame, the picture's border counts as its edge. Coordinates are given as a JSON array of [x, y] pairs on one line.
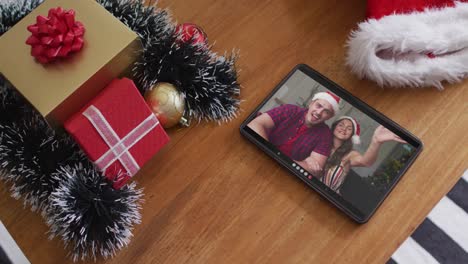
[[335, 143]]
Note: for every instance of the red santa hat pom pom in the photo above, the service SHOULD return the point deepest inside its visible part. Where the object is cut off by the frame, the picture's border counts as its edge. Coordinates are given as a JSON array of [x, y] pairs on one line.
[[411, 43]]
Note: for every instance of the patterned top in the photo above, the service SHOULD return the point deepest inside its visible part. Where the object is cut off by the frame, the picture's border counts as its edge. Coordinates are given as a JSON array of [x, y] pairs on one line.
[[335, 177], [288, 120], [288, 147]]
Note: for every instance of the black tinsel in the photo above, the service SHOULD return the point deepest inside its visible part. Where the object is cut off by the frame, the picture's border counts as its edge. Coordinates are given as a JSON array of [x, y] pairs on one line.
[[89, 214], [12, 105], [208, 82], [149, 22], [30, 152], [13, 11]]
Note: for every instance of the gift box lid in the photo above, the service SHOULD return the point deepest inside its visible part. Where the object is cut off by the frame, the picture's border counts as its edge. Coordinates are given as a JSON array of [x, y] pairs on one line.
[[109, 48]]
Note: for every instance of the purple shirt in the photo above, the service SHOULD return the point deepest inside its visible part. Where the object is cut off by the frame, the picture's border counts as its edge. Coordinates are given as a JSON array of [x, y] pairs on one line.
[[288, 119]]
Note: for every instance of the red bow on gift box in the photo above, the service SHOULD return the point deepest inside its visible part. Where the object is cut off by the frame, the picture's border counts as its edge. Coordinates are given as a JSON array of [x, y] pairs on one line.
[[56, 35]]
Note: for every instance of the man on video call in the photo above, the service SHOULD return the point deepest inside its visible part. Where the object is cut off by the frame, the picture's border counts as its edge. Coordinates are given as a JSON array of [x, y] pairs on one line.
[[300, 133]]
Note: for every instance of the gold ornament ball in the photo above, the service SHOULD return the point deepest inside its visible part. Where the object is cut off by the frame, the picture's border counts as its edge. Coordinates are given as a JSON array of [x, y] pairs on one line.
[[166, 103]]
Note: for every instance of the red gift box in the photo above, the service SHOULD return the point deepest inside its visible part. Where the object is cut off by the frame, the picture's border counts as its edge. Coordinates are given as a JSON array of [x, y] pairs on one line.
[[118, 131]]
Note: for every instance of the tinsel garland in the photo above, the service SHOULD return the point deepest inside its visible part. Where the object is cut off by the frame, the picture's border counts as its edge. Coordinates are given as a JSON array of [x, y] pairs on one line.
[[207, 81], [89, 214], [51, 174], [13, 11], [30, 152]]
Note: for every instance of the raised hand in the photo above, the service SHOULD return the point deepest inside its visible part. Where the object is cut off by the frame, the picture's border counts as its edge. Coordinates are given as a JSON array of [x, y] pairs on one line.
[[382, 134]]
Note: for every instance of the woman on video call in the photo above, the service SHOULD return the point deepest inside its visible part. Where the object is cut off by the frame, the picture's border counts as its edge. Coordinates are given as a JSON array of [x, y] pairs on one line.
[[346, 133]]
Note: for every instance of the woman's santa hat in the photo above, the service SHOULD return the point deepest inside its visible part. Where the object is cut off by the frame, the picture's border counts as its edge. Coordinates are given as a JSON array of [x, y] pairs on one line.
[[411, 42], [356, 138], [333, 99]]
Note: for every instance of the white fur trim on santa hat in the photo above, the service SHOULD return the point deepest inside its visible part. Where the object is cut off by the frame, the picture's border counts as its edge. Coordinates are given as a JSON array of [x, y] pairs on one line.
[[442, 32], [329, 98]]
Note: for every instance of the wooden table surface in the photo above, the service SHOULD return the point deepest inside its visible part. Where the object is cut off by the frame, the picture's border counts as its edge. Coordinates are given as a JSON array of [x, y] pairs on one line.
[[212, 197]]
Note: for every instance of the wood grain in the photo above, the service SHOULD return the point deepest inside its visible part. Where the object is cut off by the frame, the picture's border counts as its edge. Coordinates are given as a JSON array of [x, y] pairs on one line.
[[212, 197]]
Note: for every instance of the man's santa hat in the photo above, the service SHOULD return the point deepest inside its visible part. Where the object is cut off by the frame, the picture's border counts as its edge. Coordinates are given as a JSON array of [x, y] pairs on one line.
[[411, 42], [356, 138], [333, 99]]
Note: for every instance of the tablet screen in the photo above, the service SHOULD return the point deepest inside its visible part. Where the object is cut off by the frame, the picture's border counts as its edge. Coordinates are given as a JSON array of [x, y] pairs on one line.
[[332, 141]]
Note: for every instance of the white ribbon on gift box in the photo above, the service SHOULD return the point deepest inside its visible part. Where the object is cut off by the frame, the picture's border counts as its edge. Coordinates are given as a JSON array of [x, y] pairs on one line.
[[118, 148]]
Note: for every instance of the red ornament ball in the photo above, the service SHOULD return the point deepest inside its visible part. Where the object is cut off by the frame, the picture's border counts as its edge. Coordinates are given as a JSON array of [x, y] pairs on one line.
[[191, 32], [55, 36]]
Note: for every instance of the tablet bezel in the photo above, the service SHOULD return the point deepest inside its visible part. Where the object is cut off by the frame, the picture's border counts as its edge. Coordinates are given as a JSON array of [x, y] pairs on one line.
[[316, 184]]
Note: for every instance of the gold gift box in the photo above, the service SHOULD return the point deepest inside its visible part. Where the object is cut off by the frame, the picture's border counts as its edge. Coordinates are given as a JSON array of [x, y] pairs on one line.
[[59, 89]]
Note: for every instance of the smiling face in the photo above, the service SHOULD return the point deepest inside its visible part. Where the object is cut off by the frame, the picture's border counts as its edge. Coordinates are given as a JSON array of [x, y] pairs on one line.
[[343, 130], [319, 111]]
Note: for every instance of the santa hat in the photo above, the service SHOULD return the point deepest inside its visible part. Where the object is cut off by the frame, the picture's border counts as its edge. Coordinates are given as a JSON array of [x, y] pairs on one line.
[[356, 138], [331, 98], [411, 43]]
